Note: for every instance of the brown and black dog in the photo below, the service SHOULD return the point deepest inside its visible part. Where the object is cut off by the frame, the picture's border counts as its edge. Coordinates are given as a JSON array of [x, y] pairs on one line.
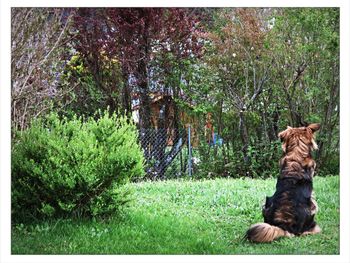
[[291, 210]]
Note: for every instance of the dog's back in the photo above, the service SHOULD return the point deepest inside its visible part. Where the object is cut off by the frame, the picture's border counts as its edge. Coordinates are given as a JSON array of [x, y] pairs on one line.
[[290, 208]]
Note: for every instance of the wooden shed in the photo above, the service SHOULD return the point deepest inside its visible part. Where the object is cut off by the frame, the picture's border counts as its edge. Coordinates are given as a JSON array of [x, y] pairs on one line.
[[158, 101]]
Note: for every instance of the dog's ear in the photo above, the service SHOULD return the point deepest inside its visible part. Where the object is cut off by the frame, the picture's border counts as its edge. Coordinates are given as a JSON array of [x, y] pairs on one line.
[[283, 134], [314, 127]]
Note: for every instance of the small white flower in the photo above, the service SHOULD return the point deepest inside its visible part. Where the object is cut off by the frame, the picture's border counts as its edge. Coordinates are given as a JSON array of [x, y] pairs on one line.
[[234, 55], [196, 160]]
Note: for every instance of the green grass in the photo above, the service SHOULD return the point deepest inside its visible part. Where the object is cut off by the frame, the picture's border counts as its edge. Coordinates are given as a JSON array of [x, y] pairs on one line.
[[185, 217]]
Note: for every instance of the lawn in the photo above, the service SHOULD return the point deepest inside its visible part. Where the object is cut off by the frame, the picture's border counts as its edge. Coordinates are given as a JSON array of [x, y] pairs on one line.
[[185, 217]]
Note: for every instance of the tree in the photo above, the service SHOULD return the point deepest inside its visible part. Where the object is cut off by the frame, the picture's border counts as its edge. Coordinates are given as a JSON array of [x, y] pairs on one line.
[[37, 39], [306, 51], [264, 69], [147, 42], [242, 69], [253, 70]]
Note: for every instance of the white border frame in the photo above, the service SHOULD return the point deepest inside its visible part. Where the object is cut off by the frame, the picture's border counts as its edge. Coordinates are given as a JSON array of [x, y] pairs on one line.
[[5, 108]]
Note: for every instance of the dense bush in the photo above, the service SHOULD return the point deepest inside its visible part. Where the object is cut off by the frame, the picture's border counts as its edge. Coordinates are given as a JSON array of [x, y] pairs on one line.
[[64, 167], [223, 161]]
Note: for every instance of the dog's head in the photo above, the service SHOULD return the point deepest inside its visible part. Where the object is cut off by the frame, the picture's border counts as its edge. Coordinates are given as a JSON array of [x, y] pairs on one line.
[[302, 137]]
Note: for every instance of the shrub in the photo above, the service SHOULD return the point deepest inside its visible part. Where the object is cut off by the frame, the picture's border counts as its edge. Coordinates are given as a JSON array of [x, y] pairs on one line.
[[227, 162], [64, 167]]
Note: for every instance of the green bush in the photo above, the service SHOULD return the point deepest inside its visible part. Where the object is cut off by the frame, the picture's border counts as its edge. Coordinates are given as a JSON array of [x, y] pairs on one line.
[[64, 167], [224, 161]]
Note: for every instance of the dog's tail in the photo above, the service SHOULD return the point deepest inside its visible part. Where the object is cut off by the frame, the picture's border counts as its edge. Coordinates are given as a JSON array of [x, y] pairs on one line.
[[263, 232]]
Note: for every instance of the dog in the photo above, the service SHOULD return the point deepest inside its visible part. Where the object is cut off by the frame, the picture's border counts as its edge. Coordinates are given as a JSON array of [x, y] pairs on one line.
[[292, 208]]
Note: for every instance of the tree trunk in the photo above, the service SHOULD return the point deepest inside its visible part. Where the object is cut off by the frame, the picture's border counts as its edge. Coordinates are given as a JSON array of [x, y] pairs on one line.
[[145, 107], [142, 74], [125, 94], [161, 139], [245, 140]]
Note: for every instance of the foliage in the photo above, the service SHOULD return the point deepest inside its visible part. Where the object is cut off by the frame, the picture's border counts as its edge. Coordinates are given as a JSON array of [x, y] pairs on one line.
[[264, 69], [136, 38], [64, 167], [38, 36], [253, 70], [225, 161], [185, 217], [87, 95]]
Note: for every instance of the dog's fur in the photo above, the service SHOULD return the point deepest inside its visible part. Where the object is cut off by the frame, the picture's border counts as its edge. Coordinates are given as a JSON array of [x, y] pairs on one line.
[[291, 210]]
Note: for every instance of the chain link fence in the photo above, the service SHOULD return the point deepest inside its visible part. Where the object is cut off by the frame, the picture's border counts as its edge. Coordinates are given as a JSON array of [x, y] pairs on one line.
[[166, 152]]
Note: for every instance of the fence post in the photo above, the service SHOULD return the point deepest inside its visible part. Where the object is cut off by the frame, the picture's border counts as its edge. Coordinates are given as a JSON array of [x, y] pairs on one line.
[[189, 152]]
